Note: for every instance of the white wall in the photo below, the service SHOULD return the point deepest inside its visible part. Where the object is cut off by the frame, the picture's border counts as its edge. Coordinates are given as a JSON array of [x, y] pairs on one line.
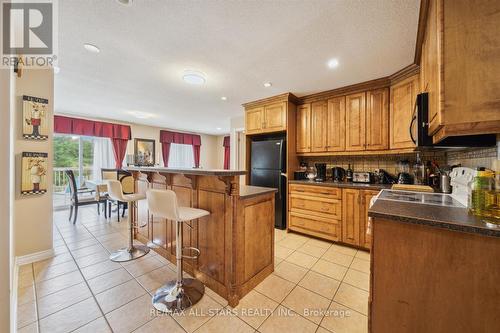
[[6, 254], [238, 145], [33, 214]]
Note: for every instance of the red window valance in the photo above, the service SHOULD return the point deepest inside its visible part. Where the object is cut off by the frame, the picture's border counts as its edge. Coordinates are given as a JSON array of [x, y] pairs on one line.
[[180, 138], [77, 126]]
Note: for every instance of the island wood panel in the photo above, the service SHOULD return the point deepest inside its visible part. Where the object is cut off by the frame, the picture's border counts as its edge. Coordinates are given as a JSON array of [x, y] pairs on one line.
[[220, 235], [335, 138], [141, 186], [446, 281], [355, 122], [377, 119], [365, 239]]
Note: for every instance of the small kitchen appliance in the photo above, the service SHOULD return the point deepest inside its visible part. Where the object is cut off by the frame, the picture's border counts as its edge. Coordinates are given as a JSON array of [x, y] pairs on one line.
[[320, 172], [362, 177], [404, 176], [338, 174], [300, 175]]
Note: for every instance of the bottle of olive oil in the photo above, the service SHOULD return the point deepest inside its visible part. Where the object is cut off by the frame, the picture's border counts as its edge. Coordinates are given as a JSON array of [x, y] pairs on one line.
[[482, 195]]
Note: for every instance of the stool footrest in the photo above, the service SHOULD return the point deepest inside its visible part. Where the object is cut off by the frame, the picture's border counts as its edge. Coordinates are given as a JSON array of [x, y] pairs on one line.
[[190, 248]]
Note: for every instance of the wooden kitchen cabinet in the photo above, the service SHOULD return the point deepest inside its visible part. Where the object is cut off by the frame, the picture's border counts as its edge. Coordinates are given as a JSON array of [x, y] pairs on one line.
[[266, 119], [275, 117], [431, 64], [319, 114], [355, 122], [335, 125], [377, 119], [364, 238], [350, 216], [254, 120], [402, 105], [303, 128]]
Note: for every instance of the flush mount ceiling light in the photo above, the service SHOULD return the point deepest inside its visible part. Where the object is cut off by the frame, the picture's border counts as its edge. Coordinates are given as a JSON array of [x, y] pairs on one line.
[[56, 69], [141, 114], [194, 77], [218, 128], [333, 63], [224, 98], [267, 84], [125, 2], [91, 48]]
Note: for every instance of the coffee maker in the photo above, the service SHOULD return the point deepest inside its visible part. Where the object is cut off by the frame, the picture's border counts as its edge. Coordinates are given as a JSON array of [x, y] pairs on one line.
[[338, 174], [320, 172]]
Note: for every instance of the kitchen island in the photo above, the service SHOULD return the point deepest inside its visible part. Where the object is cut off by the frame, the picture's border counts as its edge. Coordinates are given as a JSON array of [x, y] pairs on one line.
[[236, 240], [433, 269]]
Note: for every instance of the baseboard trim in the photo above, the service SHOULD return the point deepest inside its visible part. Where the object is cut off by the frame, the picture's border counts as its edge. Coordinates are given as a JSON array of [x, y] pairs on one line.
[[33, 257]]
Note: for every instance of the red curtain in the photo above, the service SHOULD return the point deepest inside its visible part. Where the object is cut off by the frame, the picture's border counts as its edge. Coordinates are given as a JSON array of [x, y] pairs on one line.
[[119, 134], [168, 137], [119, 148], [165, 149], [227, 149]]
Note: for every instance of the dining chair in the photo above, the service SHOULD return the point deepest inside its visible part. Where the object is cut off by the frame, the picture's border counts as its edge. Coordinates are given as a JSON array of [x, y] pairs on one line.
[[77, 200]]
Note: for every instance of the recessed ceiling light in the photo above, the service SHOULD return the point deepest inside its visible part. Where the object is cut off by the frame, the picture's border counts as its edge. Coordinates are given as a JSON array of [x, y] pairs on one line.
[[224, 98], [124, 2], [56, 69], [141, 114], [218, 128], [332, 63], [91, 48], [267, 84], [194, 77]]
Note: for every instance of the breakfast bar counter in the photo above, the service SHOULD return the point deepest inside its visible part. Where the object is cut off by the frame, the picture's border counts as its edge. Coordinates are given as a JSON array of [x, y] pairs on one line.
[[235, 240]]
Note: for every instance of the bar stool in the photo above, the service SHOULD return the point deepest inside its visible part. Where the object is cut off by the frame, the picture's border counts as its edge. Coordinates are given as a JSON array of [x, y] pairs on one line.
[[132, 251], [182, 293]]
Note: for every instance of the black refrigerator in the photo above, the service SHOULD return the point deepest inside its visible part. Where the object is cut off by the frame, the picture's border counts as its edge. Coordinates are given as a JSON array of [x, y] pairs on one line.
[[268, 168]]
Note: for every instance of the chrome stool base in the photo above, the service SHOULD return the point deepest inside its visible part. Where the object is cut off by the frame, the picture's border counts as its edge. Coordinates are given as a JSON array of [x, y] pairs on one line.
[[125, 254], [172, 298]]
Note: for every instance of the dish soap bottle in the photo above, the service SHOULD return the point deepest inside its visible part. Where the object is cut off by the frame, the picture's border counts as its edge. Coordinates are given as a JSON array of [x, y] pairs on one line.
[[480, 196]]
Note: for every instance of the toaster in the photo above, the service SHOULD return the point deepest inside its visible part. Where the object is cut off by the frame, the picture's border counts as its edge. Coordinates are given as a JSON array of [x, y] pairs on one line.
[[362, 177]]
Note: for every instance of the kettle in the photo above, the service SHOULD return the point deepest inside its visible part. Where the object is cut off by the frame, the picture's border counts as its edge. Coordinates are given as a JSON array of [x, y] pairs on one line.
[[338, 174]]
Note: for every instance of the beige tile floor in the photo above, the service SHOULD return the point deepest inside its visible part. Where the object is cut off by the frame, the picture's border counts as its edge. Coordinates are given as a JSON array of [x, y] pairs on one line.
[[317, 286]]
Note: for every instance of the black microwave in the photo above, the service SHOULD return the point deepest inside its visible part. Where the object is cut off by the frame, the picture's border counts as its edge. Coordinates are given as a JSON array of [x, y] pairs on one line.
[[419, 127]]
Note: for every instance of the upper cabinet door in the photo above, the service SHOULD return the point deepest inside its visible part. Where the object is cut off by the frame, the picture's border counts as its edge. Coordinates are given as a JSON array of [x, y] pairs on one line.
[[275, 117], [335, 136], [377, 119], [403, 96], [355, 122], [431, 64], [303, 128], [254, 120], [319, 112]]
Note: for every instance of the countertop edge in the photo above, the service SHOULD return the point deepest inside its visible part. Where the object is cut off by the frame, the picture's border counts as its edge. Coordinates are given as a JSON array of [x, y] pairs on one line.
[[249, 191], [360, 186], [199, 172], [437, 224]]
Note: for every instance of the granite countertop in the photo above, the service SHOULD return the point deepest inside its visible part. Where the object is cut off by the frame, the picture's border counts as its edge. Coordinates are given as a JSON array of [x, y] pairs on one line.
[[330, 183], [190, 171], [248, 191], [450, 218]]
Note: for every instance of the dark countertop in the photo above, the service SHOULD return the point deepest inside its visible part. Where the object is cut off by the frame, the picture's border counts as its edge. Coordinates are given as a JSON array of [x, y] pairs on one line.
[[330, 183], [248, 191], [190, 171], [450, 218]]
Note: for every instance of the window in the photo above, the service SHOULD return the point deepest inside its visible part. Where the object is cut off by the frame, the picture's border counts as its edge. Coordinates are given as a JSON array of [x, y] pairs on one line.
[[181, 156]]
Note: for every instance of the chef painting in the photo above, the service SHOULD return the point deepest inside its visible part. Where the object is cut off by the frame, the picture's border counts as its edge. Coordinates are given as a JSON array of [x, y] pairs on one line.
[[35, 125], [34, 173]]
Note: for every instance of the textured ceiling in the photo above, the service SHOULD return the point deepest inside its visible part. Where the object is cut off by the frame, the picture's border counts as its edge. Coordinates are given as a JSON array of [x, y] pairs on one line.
[[238, 44]]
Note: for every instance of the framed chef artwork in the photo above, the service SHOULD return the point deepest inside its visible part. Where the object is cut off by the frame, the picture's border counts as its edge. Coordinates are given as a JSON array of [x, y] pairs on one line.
[[34, 173], [35, 120]]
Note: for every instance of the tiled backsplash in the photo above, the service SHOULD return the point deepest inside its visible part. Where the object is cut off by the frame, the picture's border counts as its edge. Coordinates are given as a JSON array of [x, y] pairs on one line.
[[473, 158], [369, 163]]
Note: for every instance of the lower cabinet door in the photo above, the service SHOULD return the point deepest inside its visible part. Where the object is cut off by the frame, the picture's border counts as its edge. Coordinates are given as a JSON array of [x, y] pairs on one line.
[[350, 216]]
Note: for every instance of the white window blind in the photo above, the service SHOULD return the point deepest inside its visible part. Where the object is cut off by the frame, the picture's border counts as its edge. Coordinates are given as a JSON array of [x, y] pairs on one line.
[[181, 156]]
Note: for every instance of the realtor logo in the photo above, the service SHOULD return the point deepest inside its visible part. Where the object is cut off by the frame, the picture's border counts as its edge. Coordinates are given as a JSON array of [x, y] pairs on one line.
[[28, 32]]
